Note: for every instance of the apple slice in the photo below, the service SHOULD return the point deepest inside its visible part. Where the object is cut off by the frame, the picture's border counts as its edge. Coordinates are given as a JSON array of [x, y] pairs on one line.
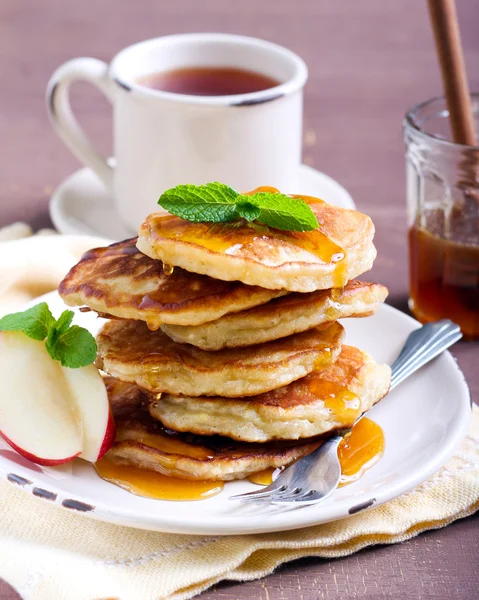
[[88, 393], [37, 416], [48, 413]]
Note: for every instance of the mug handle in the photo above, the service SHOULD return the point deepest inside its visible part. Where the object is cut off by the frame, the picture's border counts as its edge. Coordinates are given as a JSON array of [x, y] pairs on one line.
[[62, 118]]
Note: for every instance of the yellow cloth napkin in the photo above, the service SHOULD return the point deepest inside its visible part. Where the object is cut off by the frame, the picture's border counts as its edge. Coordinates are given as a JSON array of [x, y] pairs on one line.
[[47, 552]]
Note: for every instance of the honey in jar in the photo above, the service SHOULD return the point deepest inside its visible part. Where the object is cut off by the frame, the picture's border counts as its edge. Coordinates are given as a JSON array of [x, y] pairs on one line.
[[443, 207], [444, 280]]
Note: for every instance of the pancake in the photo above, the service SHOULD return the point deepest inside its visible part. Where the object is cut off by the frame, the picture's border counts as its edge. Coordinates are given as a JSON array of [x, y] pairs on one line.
[[142, 442], [341, 249], [282, 317], [314, 405], [119, 280], [129, 351]]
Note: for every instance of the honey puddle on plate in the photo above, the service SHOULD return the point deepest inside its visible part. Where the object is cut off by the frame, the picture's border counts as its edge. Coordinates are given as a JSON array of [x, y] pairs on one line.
[[229, 237], [360, 450], [357, 452], [156, 485]]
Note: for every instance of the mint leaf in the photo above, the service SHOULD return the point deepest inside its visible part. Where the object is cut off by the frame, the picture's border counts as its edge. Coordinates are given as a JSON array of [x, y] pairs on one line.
[[282, 212], [34, 322], [218, 203], [58, 328], [75, 347], [72, 345], [212, 202], [248, 211], [64, 320]]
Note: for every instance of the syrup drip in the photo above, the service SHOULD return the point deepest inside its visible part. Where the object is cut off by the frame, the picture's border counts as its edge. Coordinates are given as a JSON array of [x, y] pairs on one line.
[[323, 360], [168, 269], [156, 485], [344, 405], [357, 452], [360, 450], [228, 238], [336, 294], [340, 275], [171, 444], [265, 477]]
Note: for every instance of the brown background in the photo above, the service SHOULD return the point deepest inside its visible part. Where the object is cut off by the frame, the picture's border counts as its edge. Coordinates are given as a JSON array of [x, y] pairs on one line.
[[369, 60]]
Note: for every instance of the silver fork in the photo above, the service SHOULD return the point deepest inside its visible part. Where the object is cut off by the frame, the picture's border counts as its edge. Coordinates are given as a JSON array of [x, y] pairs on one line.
[[314, 477]]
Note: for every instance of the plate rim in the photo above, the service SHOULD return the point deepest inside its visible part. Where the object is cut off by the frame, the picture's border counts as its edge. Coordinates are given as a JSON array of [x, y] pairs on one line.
[[126, 516]]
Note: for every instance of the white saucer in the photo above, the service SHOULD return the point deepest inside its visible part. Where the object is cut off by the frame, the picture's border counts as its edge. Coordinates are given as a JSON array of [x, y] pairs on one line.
[[82, 205]]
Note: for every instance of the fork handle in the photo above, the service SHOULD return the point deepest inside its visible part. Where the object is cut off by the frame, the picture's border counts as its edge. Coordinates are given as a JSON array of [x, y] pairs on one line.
[[423, 345]]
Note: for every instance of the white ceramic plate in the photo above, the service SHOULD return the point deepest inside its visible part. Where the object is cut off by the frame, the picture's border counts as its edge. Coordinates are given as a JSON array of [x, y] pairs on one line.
[[423, 421], [82, 205]]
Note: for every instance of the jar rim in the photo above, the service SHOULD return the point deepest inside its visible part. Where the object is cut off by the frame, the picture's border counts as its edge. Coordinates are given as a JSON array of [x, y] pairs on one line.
[[410, 121]]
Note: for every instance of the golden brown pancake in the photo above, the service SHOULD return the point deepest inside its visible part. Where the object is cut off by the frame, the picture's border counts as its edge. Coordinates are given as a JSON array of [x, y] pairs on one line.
[[319, 403], [282, 317], [119, 280], [142, 442], [129, 351], [341, 249]]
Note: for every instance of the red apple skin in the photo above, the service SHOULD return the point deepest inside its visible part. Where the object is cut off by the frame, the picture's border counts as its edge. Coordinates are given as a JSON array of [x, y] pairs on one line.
[[46, 462], [109, 436]]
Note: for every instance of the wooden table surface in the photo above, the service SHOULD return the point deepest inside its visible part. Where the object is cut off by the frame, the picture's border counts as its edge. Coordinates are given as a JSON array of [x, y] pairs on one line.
[[369, 61]]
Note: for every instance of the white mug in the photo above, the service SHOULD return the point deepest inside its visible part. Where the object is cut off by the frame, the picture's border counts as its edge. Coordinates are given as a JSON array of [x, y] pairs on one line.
[[163, 139]]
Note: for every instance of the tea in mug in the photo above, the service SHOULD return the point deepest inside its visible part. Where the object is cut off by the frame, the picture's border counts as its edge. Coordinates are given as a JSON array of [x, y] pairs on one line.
[[208, 81]]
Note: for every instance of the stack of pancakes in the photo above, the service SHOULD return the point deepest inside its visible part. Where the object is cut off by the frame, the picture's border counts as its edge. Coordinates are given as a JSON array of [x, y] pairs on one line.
[[223, 347]]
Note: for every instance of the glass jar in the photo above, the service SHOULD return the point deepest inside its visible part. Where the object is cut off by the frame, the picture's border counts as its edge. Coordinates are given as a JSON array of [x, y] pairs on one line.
[[443, 216]]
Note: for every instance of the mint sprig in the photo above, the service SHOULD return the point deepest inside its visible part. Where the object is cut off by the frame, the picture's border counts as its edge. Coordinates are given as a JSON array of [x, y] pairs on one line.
[[218, 203], [70, 344], [34, 322], [213, 202]]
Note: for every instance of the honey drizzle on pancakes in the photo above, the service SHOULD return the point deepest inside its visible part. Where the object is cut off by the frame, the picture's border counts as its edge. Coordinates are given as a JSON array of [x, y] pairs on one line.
[[360, 449], [173, 444], [344, 405], [357, 452], [229, 237]]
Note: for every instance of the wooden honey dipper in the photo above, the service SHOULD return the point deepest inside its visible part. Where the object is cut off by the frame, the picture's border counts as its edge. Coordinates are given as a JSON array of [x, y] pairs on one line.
[[451, 60]]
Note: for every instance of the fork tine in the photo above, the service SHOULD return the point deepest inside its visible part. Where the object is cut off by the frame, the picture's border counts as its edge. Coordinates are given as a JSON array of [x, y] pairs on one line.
[[265, 493], [271, 496], [254, 498], [287, 494], [311, 496], [272, 499], [289, 498]]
